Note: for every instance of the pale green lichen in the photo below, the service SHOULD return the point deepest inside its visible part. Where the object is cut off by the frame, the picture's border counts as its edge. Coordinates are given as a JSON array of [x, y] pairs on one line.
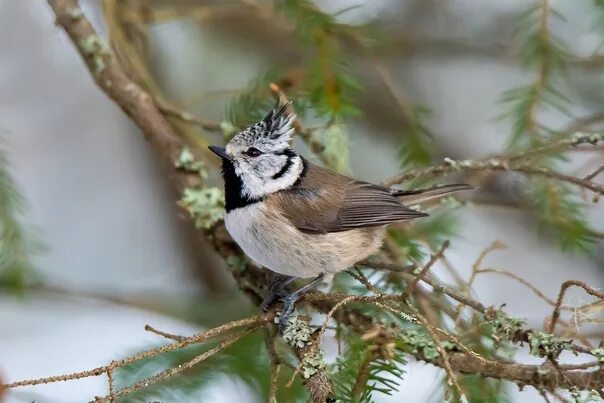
[[505, 328], [186, 161], [297, 332], [313, 364], [205, 206], [94, 47], [458, 165], [418, 341], [543, 344], [75, 13], [585, 396], [591, 138], [599, 354], [543, 371]]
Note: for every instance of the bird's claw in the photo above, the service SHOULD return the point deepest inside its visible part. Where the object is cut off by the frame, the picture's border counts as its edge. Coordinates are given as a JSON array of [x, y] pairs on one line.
[[289, 302], [271, 298]]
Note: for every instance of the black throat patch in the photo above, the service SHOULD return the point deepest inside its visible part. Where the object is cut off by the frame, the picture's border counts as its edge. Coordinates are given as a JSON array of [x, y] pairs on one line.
[[233, 186]]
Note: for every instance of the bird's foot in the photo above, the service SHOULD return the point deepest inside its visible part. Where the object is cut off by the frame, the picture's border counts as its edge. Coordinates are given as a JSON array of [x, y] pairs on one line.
[[276, 291], [289, 302], [271, 298]]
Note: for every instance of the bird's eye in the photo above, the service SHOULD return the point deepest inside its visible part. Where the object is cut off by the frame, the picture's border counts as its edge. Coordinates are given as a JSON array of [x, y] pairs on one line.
[[253, 152]]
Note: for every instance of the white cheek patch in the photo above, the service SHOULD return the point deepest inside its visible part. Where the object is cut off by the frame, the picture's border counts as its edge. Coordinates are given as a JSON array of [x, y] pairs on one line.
[[255, 186]]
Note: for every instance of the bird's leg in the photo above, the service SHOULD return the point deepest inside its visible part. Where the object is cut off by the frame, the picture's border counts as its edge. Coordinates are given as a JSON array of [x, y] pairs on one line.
[[275, 290], [290, 299]]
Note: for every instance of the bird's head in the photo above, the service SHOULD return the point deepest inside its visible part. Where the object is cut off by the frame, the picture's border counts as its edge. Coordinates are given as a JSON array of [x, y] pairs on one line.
[[259, 160]]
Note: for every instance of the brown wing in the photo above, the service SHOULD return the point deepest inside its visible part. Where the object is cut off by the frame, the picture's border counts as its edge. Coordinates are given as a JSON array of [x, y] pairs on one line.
[[325, 201]]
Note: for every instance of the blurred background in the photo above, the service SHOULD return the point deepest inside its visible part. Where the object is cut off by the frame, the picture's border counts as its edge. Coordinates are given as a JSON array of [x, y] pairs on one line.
[[105, 248]]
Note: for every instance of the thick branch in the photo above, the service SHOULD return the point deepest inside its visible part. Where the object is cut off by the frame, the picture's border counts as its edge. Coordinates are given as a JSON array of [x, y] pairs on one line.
[[114, 81]]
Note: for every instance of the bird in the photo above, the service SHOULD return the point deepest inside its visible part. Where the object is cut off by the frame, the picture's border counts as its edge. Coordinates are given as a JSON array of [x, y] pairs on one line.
[[301, 220]]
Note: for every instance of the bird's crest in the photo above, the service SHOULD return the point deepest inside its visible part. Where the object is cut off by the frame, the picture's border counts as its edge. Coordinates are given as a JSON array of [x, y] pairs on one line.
[[277, 126]]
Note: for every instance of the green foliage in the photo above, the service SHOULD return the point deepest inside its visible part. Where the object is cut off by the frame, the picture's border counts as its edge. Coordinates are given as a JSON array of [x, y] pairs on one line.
[[17, 243], [417, 144], [430, 231], [308, 20], [329, 85], [246, 360], [556, 207], [599, 18], [254, 102], [521, 104], [538, 46], [361, 370], [561, 213], [480, 390], [541, 51]]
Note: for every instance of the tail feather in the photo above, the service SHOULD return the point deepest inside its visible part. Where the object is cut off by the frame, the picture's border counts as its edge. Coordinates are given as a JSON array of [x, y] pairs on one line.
[[410, 197]]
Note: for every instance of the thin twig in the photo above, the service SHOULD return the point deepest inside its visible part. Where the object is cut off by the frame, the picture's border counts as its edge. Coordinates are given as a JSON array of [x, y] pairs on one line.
[[538, 292], [445, 358], [475, 270], [175, 370], [433, 258], [164, 334], [563, 288], [494, 164], [269, 340], [360, 277], [185, 116], [253, 321]]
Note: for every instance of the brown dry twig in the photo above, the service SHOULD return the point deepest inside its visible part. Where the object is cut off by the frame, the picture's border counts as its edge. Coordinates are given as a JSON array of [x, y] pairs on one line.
[[164, 334], [556, 314], [420, 276], [475, 270], [174, 370], [515, 163]]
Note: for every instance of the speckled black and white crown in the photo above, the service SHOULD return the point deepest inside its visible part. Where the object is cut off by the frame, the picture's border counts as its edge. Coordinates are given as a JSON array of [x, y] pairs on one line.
[[273, 132]]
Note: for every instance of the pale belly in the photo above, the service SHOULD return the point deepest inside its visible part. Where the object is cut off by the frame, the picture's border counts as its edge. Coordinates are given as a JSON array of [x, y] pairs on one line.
[[272, 242]]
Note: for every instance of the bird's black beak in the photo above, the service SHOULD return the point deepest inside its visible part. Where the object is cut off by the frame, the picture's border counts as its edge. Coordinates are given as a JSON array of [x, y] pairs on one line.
[[221, 152]]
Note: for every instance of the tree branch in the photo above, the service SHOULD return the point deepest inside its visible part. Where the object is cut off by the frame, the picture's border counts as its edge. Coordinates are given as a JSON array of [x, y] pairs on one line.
[[513, 163]]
